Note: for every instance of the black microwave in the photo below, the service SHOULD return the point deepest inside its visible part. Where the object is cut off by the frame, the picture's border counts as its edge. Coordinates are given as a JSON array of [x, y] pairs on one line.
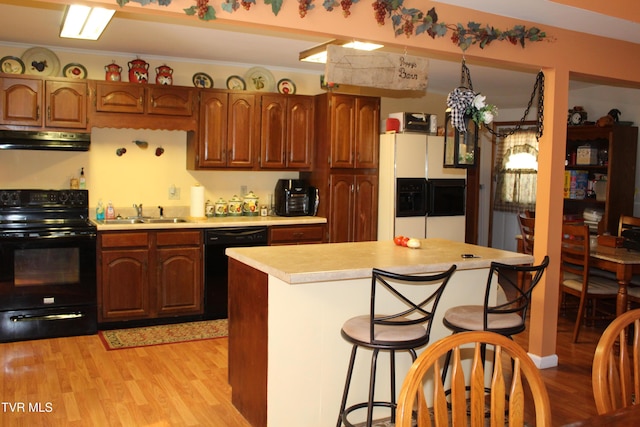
[[446, 197]]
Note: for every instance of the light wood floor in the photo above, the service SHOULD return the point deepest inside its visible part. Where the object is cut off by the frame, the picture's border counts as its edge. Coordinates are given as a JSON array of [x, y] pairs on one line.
[[76, 382]]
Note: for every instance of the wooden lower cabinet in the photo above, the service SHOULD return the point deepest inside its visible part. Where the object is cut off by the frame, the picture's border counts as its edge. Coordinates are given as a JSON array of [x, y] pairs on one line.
[[149, 274], [353, 215]]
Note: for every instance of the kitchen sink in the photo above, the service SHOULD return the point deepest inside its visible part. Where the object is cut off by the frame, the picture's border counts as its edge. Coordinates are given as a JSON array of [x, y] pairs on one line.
[[163, 220], [123, 221]]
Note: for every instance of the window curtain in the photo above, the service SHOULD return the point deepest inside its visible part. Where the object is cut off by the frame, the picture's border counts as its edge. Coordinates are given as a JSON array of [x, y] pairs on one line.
[[515, 186]]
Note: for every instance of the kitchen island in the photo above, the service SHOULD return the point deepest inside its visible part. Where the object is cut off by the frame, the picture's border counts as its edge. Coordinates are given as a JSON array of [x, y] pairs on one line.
[[287, 359]]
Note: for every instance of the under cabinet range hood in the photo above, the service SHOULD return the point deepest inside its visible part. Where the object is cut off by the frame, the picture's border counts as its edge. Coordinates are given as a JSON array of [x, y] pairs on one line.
[[44, 140]]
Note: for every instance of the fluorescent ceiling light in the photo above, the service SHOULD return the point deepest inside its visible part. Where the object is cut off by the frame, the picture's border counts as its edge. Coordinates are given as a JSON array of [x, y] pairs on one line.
[[84, 22], [318, 53]]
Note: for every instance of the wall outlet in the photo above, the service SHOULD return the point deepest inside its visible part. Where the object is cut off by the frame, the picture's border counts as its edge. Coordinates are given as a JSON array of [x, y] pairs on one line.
[[243, 190], [174, 193]]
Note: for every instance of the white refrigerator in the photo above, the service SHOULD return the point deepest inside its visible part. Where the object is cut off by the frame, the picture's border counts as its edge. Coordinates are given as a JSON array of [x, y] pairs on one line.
[[413, 155]]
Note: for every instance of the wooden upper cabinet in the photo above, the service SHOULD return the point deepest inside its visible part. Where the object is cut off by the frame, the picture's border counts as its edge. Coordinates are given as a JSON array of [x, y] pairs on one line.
[[242, 130], [286, 137], [120, 97], [227, 132], [343, 142], [354, 131], [213, 130], [33, 102], [176, 101], [66, 104], [367, 132], [21, 101]]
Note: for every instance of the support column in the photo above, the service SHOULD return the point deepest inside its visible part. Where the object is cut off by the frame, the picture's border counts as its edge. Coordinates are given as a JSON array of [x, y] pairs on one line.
[[549, 209]]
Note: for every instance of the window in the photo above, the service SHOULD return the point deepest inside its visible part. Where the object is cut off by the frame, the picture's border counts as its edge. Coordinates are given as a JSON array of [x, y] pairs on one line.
[[516, 172]]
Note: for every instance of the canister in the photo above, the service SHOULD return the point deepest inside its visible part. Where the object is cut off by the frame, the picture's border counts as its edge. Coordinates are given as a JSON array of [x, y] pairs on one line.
[[221, 207], [250, 205], [209, 209], [235, 206]]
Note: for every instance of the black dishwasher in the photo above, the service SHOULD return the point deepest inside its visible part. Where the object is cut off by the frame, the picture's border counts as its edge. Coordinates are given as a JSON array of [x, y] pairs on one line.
[[216, 268]]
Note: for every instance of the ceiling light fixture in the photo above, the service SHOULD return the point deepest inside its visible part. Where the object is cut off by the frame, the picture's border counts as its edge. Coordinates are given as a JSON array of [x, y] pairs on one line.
[[85, 22], [318, 53]]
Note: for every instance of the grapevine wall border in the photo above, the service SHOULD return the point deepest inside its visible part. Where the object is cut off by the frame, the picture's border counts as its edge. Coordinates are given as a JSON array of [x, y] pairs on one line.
[[407, 21]]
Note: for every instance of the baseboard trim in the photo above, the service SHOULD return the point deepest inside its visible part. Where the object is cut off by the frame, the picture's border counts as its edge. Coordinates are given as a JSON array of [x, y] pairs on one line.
[[544, 362]]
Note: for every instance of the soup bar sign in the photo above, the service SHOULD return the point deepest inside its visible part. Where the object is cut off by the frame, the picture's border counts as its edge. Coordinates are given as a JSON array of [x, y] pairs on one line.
[[376, 69]]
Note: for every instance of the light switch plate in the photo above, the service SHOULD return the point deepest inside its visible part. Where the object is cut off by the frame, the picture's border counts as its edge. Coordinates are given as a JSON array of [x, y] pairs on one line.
[[174, 193]]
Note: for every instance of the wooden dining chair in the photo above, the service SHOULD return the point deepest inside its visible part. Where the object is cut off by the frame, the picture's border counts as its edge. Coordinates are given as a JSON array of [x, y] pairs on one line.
[[626, 222], [615, 375], [510, 377], [579, 279], [527, 231]]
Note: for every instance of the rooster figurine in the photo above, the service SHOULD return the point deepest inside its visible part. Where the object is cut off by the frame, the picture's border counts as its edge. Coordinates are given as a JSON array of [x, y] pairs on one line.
[[612, 117]]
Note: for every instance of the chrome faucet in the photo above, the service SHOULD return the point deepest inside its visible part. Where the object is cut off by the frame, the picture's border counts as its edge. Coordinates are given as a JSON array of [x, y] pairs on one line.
[[138, 209]]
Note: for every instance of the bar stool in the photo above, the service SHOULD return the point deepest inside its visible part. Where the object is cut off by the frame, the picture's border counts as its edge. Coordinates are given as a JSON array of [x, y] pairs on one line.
[[405, 330], [505, 317]]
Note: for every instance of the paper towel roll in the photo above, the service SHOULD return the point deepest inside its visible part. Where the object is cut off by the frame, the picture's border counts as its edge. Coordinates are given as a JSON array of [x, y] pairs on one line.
[[197, 202]]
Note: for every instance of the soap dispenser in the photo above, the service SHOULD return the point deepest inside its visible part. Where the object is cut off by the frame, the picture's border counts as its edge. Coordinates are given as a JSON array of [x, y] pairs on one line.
[[100, 211], [83, 181], [111, 213]]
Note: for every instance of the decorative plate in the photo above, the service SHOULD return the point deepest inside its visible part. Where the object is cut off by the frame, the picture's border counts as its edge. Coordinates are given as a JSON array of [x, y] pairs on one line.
[[202, 80], [74, 71], [236, 83], [286, 86], [260, 79], [41, 62], [11, 65]]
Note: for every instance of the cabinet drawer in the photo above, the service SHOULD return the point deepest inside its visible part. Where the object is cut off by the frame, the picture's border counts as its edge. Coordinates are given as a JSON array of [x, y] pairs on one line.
[[173, 238], [115, 240], [296, 234]]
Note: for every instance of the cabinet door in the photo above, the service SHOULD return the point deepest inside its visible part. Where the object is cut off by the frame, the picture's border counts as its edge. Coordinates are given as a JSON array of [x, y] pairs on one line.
[[66, 104], [212, 143], [367, 132], [273, 132], [119, 97], [174, 101], [341, 209], [21, 102], [300, 110], [342, 131], [242, 130], [124, 286], [365, 208], [179, 281]]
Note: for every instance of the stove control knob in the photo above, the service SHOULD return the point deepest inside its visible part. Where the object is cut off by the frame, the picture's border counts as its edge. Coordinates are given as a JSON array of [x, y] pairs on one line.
[[63, 197]]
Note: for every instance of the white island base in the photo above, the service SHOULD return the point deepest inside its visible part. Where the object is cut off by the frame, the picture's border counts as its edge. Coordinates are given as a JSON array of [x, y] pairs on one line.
[[287, 359]]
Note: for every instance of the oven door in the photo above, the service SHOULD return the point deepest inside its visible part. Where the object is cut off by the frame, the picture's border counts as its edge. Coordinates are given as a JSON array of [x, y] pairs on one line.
[[47, 271], [411, 197]]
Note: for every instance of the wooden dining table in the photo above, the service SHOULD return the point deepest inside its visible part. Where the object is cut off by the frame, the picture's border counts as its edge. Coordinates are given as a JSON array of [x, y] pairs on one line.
[[624, 263]]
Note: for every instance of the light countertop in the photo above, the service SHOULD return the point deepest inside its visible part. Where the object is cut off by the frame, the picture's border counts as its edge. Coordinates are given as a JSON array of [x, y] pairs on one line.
[[217, 222], [339, 261]]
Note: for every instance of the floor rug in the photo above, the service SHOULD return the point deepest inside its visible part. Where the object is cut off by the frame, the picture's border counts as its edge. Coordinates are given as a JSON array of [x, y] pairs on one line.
[[117, 339]]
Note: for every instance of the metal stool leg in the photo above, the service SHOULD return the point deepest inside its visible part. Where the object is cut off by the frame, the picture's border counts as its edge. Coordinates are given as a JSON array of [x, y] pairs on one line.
[[346, 385]]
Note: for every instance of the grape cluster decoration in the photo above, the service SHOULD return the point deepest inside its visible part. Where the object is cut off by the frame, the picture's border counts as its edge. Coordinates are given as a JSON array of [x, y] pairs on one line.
[[405, 21]]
